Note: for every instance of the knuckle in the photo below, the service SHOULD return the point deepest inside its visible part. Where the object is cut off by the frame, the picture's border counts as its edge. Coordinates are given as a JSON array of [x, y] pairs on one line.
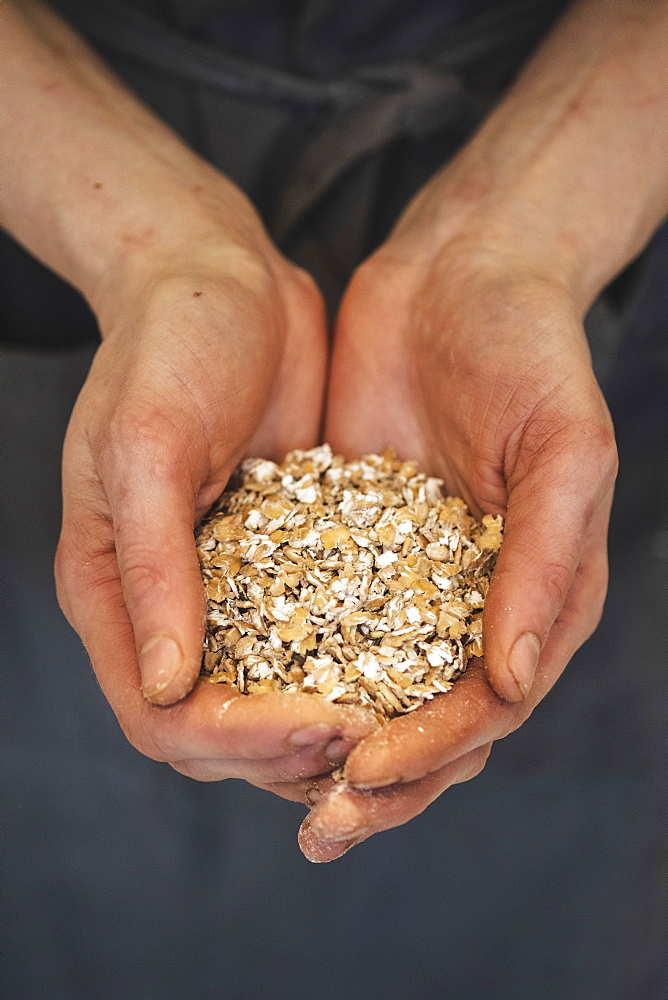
[[306, 295], [594, 619], [479, 763], [368, 287], [598, 453], [149, 443], [140, 431], [84, 564], [142, 578], [62, 575], [368, 277], [139, 734], [551, 580], [195, 770], [475, 768], [305, 282], [377, 268], [608, 457], [596, 588], [556, 579], [252, 272], [206, 770], [600, 587], [475, 765]]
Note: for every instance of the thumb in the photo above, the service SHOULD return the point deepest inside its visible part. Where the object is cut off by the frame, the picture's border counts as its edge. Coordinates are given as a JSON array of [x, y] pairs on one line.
[[152, 507], [553, 515]]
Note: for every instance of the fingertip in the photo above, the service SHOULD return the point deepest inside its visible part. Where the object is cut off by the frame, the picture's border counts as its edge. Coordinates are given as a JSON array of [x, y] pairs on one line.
[[367, 770], [318, 851], [341, 816], [338, 750], [172, 693], [504, 685], [513, 679], [507, 692], [166, 676], [377, 762], [355, 724], [372, 784]]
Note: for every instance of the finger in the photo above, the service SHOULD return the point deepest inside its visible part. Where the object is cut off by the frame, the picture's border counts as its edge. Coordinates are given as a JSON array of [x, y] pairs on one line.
[[215, 722], [292, 767], [551, 514], [436, 734], [357, 420], [149, 485], [321, 851], [347, 816]]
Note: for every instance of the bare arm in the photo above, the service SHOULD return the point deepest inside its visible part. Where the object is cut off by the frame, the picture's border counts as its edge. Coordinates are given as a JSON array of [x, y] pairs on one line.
[[89, 177], [571, 169]]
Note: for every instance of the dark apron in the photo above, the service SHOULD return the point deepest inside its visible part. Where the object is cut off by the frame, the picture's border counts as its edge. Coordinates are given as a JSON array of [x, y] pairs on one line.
[[538, 879], [330, 163]]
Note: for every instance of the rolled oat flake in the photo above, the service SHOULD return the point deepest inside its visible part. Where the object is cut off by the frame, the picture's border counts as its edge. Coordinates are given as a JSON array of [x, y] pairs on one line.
[[360, 581]]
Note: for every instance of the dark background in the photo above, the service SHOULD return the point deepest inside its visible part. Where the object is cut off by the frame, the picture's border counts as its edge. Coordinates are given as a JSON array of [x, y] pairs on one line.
[[543, 878]]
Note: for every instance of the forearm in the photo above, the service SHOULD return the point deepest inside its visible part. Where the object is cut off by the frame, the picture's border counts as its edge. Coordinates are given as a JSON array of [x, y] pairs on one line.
[[571, 168], [89, 177]]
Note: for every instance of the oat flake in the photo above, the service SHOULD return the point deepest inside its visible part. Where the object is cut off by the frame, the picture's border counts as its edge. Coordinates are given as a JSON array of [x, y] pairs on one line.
[[356, 581]]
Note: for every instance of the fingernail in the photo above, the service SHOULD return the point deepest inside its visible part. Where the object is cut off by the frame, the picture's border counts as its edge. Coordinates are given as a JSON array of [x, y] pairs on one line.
[[335, 851], [337, 750], [523, 661], [320, 851], [160, 660], [319, 732], [395, 779], [313, 795], [343, 835]]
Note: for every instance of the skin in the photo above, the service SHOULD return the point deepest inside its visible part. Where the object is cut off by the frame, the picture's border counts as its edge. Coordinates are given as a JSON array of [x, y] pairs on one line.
[[460, 342]]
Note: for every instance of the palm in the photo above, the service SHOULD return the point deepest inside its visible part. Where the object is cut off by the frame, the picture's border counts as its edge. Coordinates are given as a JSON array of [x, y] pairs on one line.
[[464, 373], [481, 372], [226, 369]]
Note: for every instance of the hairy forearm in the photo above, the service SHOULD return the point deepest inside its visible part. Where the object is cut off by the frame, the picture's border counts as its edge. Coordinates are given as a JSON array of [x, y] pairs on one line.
[[89, 177], [570, 171]]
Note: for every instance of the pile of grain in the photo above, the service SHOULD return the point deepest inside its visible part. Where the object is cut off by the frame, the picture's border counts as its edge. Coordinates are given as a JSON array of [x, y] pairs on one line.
[[357, 581]]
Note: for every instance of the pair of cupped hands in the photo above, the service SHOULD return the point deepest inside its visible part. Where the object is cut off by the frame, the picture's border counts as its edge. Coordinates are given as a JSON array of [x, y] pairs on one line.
[[452, 345]]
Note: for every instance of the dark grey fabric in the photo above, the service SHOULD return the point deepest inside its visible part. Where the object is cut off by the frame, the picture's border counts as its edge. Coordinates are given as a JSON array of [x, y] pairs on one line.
[[542, 878]]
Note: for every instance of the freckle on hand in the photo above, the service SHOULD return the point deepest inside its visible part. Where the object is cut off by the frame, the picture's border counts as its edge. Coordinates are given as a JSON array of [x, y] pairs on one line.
[[196, 294], [97, 185]]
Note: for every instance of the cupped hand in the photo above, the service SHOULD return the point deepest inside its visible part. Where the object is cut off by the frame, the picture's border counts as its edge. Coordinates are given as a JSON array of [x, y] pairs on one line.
[[211, 350], [475, 364]]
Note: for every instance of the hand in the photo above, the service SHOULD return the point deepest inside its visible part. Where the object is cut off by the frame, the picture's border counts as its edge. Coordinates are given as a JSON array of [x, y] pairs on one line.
[[478, 367], [212, 350], [461, 343]]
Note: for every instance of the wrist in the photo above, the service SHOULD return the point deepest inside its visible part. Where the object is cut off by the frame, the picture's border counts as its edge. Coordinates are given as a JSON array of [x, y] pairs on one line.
[[568, 174], [173, 233], [127, 214], [92, 183], [494, 231]]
